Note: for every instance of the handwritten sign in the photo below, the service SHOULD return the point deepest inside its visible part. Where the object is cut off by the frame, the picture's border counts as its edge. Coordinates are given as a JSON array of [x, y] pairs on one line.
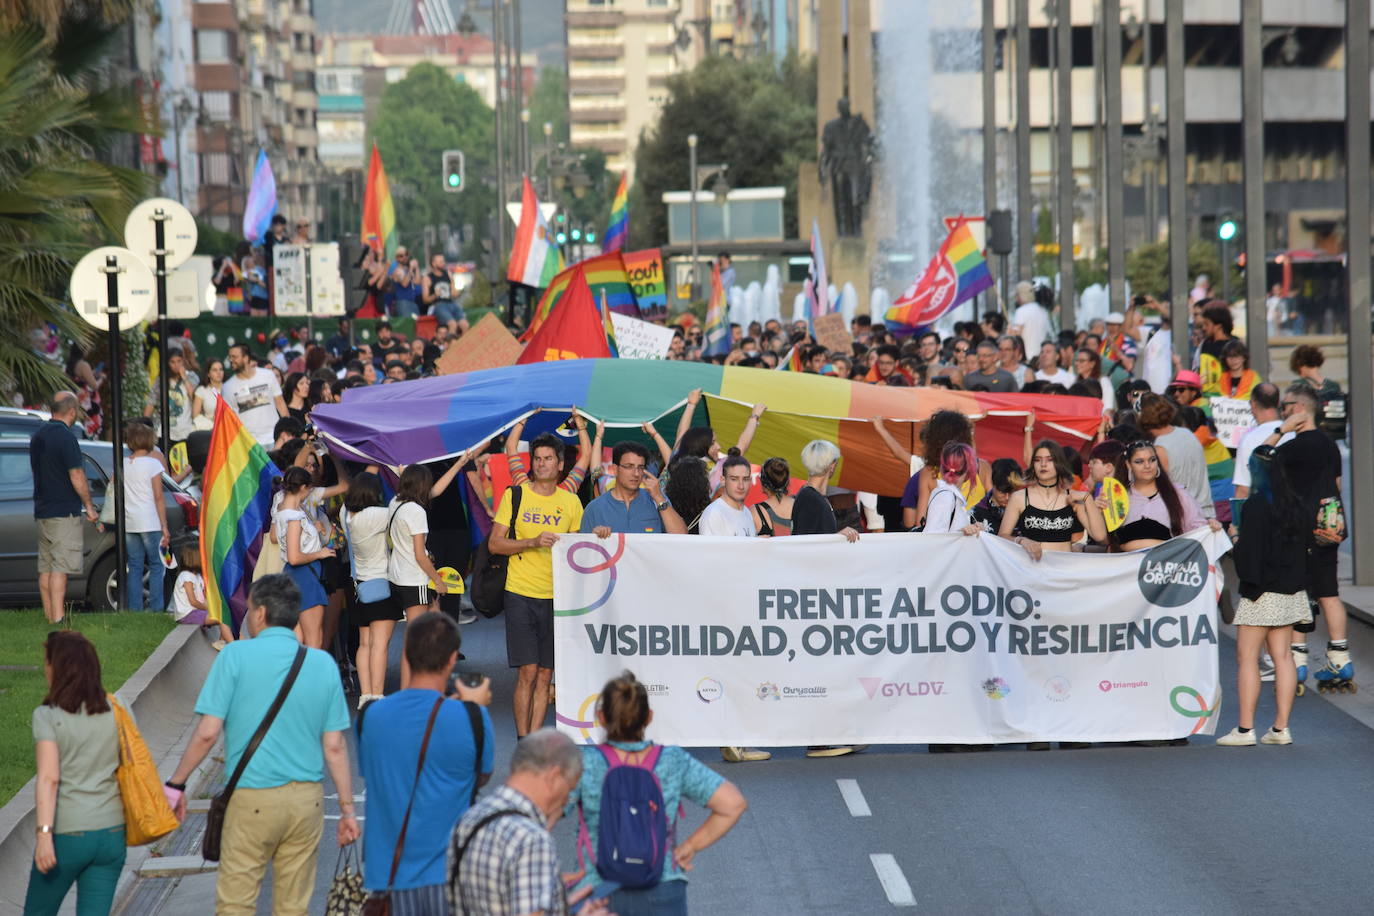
[[640, 339], [832, 334], [645, 270], [486, 345], [1233, 419]]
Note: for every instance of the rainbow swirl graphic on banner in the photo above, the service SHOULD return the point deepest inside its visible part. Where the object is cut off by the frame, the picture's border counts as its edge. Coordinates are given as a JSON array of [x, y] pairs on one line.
[[1203, 713], [584, 721], [607, 564]]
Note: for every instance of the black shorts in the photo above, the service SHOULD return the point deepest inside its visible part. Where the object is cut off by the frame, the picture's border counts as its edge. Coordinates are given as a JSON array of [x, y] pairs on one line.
[[409, 596], [365, 614], [1321, 572], [333, 574], [529, 631]]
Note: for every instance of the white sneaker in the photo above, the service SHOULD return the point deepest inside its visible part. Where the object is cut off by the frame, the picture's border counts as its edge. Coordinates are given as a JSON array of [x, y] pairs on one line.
[[1282, 736], [466, 617], [1266, 667], [1236, 738]]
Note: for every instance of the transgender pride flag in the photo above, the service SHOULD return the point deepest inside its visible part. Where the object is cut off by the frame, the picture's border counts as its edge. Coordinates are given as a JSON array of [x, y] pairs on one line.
[[262, 201]]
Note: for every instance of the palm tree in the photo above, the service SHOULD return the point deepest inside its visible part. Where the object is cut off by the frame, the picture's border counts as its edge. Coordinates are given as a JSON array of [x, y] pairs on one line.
[[58, 198]]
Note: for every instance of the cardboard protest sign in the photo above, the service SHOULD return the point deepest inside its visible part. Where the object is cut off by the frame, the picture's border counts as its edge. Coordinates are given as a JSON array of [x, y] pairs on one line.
[[832, 333], [1233, 419], [486, 345], [640, 339]]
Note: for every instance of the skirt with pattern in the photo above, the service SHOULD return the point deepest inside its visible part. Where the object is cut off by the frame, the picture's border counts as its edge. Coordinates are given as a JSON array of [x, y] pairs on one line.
[[1273, 609]]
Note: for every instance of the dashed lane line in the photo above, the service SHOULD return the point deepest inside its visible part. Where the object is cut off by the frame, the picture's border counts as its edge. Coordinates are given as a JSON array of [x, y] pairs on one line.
[[854, 797], [894, 883]]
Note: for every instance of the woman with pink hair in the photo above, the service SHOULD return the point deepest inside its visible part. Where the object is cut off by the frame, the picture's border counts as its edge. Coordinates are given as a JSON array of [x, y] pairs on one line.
[[948, 508]]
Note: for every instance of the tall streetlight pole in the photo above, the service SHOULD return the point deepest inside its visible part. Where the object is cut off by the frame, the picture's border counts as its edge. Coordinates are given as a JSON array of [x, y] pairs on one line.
[[1115, 190], [1064, 111], [692, 207], [1177, 135], [1361, 413], [496, 29]]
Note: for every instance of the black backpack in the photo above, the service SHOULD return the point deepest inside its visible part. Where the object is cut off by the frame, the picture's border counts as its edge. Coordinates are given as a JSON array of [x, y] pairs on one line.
[[489, 569], [1331, 405]]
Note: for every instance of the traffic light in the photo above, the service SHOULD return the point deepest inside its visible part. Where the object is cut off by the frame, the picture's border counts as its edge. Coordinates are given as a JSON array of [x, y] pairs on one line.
[[561, 237], [454, 171], [590, 235], [1226, 229]]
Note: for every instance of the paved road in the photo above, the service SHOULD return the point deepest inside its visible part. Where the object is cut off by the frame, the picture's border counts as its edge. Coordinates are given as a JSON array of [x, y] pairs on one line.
[[1106, 829]]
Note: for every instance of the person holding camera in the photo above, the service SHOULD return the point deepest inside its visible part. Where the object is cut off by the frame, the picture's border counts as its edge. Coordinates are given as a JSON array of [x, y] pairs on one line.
[[423, 758]]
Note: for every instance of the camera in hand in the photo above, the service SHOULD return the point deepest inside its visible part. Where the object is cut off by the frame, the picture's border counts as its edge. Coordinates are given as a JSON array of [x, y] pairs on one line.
[[469, 679]]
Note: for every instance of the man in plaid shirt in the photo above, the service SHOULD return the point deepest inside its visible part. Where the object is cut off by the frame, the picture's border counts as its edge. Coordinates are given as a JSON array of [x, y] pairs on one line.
[[501, 859]]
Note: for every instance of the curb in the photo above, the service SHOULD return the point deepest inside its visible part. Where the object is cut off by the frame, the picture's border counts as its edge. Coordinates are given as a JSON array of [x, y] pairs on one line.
[[159, 695]]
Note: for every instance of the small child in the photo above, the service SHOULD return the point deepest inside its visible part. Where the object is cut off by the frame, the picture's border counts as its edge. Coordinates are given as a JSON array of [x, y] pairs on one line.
[[188, 595]]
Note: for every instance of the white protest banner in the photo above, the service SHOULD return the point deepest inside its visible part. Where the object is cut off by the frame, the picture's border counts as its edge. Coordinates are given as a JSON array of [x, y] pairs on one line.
[[637, 339], [1233, 420], [289, 295], [898, 639]]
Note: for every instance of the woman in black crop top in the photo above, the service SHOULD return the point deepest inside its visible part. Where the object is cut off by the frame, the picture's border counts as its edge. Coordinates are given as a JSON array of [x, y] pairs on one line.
[[1047, 511]]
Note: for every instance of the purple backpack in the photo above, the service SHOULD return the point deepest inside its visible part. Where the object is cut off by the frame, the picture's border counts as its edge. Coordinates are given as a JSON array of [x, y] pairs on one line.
[[634, 836]]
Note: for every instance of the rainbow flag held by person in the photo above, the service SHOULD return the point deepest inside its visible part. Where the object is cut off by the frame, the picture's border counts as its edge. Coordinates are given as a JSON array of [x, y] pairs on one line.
[[716, 341], [817, 286], [379, 214], [604, 274], [534, 258], [792, 361], [956, 274], [234, 515], [619, 227]]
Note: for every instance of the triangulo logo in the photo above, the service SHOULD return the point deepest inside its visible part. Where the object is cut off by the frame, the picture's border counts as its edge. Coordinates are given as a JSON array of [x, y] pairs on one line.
[[1174, 573]]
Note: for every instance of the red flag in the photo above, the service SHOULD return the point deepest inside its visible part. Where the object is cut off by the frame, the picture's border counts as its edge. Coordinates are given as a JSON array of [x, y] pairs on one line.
[[573, 331]]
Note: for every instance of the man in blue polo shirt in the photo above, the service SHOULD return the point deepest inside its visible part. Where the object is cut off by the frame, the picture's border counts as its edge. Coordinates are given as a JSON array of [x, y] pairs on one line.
[[276, 813], [60, 491], [390, 733], [635, 504]]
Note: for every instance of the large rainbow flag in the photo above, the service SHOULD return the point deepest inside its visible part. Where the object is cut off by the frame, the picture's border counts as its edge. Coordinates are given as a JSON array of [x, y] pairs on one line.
[[379, 215], [605, 275], [430, 418], [235, 513], [716, 339], [619, 227], [956, 274]]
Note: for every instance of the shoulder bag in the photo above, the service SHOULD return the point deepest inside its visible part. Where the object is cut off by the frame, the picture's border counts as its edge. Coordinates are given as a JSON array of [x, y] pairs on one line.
[[378, 903], [456, 859], [369, 591], [214, 820], [489, 569], [147, 816]]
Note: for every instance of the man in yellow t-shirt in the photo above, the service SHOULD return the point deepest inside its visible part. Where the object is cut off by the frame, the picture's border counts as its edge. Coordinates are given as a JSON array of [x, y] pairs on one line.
[[545, 512]]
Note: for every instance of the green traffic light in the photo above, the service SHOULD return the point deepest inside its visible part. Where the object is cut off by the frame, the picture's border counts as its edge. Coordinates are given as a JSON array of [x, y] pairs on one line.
[[576, 234], [454, 179], [591, 236], [562, 238], [1227, 230]]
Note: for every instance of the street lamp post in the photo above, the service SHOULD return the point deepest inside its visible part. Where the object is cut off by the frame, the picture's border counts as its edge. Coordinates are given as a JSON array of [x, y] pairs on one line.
[[548, 160], [692, 207]]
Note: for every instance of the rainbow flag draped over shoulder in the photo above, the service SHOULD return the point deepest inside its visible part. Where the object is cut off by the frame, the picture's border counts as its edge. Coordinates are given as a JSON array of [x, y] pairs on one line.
[[235, 513], [956, 274], [605, 274], [619, 227], [379, 215]]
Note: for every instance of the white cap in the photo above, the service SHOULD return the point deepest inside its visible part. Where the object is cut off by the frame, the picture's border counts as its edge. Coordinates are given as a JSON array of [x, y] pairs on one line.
[[1115, 318]]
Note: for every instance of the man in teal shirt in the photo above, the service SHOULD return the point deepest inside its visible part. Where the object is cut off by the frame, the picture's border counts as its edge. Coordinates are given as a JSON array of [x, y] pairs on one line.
[[276, 812]]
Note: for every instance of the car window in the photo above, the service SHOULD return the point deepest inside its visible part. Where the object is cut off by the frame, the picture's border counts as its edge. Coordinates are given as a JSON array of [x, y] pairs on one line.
[[95, 476], [16, 476]]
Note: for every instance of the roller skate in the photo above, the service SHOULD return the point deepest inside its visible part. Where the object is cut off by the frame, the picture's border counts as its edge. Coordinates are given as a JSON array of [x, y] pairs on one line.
[[1339, 674], [1300, 661]]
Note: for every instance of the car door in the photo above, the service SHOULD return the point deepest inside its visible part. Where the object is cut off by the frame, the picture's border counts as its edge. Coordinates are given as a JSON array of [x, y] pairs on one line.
[[18, 531]]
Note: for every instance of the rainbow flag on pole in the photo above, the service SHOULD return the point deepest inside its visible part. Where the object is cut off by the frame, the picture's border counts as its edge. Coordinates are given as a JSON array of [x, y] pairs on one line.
[[235, 512], [619, 227], [534, 258], [608, 325], [605, 275], [716, 340], [379, 215], [956, 274]]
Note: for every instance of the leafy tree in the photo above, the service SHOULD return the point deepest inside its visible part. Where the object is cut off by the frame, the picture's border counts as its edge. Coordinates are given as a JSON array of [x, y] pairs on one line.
[[758, 117], [417, 119], [58, 197], [548, 105], [1147, 267]]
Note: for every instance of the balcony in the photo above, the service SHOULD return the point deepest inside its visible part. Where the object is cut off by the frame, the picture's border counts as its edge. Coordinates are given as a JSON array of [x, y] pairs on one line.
[[595, 52], [606, 114], [595, 84], [592, 18], [305, 98]]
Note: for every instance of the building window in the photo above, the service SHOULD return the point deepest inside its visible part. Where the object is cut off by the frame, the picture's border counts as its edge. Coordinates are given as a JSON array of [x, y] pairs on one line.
[[218, 105], [213, 46], [215, 168], [329, 82]]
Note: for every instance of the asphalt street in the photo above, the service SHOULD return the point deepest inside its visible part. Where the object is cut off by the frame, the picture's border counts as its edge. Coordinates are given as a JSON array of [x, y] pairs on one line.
[[1196, 829]]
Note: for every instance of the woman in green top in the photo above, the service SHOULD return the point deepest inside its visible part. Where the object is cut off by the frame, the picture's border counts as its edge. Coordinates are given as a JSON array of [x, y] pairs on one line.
[[79, 812]]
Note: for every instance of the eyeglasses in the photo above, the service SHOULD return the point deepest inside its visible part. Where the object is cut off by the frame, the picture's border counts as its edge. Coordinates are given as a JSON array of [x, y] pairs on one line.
[[632, 468], [1288, 403]]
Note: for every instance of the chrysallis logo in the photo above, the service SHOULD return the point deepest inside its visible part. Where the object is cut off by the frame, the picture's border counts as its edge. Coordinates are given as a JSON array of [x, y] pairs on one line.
[[1174, 573], [996, 688], [1109, 686], [1058, 688], [709, 690], [769, 691], [876, 685], [803, 693]]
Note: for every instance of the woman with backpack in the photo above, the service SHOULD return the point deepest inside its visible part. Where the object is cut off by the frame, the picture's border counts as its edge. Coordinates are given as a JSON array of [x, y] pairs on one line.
[[629, 799]]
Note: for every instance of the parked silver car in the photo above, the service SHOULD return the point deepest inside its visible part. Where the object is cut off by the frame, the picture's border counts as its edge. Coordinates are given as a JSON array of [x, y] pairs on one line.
[[19, 533]]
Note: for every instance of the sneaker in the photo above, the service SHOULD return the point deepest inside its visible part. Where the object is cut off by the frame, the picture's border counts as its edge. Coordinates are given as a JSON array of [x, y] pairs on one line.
[[218, 644], [1282, 736], [1266, 667], [1236, 738], [834, 750], [466, 617], [743, 754]]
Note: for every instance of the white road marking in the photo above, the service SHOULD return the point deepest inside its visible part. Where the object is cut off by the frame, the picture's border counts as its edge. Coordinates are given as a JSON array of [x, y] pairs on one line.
[[894, 882], [854, 797]]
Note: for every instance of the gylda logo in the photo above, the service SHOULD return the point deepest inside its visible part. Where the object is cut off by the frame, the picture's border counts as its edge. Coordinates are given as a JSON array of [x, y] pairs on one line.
[[876, 685], [1174, 573]]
